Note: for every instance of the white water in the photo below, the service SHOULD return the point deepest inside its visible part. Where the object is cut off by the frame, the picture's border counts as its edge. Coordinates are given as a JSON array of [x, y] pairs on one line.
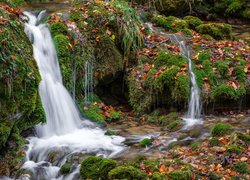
[[64, 132], [88, 81], [193, 115]]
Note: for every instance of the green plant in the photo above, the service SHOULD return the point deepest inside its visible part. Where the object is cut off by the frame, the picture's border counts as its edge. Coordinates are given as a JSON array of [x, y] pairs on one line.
[[241, 167], [194, 145], [96, 168], [93, 113], [221, 129], [58, 28], [110, 133], [127, 172], [145, 142], [180, 175], [234, 149], [114, 115]]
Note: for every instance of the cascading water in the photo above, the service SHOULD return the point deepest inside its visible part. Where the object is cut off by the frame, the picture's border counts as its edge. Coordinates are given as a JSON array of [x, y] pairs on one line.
[[193, 115], [88, 81], [64, 132]]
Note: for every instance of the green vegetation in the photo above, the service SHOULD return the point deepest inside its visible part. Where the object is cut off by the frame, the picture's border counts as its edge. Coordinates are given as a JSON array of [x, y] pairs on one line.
[[93, 113], [65, 169], [96, 168], [234, 149], [216, 30], [241, 167], [145, 142], [220, 129], [192, 21], [127, 172], [180, 175]]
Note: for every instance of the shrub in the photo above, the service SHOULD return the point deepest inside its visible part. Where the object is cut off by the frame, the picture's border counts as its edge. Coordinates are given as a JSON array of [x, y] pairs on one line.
[[241, 167], [96, 168], [220, 129], [127, 172], [145, 142]]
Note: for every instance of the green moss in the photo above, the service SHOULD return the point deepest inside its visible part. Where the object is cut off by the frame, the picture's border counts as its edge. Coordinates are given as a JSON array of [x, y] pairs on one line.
[[145, 142], [194, 145], [226, 91], [110, 133], [127, 172], [58, 28], [174, 125], [152, 164], [4, 134], [193, 21], [240, 74], [234, 149], [96, 168], [158, 176], [241, 167], [240, 139], [114, 115], [216, 30], [93, 113], [222, 67], [181, 90], [221, 129], [65, 169], [180, 175], [167, 119], [214, 141], [214, 176], [14, 3]]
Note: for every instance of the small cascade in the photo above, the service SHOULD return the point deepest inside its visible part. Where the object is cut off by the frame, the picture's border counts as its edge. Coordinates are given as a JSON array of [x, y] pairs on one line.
[[193, 115], [88, 81], [65, 133]]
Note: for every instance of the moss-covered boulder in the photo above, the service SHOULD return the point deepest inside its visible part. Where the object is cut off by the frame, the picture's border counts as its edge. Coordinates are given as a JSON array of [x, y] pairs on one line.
[[221, 129], [127, 172], [20, 104], [96, 168], [192, 21], [180, 175], [216, 30]]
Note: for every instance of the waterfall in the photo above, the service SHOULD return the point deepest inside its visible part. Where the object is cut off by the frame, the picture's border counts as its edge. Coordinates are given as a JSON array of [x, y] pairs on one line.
[[88, 81], [64, 132], [193, 115]]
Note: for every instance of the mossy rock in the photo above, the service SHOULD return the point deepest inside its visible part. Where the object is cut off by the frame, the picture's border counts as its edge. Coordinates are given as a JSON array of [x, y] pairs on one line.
[[240, 139], [65, 169], [193, 21], [96, 168], [21, 106], [14, 3], [221, 129], [127, 173], [216, 30], [93, 113]]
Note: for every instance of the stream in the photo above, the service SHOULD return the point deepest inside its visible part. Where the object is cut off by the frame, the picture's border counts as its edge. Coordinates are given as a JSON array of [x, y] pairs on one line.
[[68, 137]]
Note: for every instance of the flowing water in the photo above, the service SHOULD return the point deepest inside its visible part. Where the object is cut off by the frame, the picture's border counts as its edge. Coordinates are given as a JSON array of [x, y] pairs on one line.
[[193, 116], [88, 81], [64, 132]]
